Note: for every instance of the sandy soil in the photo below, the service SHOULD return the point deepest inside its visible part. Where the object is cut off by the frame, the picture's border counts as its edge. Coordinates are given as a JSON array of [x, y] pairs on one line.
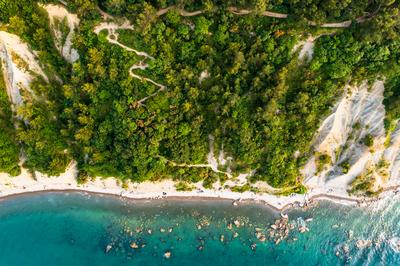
[[307, 48], [203, 75]]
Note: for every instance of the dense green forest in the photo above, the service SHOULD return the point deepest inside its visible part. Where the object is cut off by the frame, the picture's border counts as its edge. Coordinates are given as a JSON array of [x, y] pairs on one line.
[[261, 104], [9, 151]]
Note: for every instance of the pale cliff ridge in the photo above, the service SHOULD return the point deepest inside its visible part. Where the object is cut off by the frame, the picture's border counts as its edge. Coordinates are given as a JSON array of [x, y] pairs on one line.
[[63, 40], [358, 115], [19, 66]]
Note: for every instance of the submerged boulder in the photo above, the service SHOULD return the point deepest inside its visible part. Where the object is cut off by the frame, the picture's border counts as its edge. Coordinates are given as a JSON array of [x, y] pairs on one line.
[[108, 248], [167, 254]]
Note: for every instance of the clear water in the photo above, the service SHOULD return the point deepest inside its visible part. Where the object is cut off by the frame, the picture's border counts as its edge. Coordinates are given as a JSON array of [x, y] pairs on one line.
[[75, 229]]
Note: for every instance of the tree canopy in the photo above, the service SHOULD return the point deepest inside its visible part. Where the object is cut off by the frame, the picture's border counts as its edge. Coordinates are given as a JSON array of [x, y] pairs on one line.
[[233, 77]]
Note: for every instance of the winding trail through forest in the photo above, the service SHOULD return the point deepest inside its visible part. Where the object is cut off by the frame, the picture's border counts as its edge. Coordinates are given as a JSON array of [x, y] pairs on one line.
[[342, 24], [112, 37], [230, 183], [241, 12], [205, 165], [262, 185], [239, 180]]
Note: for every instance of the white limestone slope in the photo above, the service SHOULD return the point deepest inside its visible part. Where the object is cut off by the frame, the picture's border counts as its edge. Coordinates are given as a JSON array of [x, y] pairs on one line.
[[359, 113], [392, 157], [19, 65], [307, 49], [58, 13]]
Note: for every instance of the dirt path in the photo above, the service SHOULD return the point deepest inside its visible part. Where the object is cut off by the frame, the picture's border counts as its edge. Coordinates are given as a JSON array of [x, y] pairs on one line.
[[181, 12], [240, 180], [143, 66], [112, 36], [260, 184], [236, 11], [343, 24], [205, 165]]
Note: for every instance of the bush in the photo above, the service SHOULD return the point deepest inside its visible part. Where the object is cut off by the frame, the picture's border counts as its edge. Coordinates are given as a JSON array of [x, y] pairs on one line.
[[82, 177], [368, 140], [241, 189], [322, 160], [184, 186], [345, 165]]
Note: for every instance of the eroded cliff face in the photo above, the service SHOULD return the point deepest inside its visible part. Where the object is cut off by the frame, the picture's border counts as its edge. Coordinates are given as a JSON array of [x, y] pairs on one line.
[[19, 67], [63, 24], [352, 146]]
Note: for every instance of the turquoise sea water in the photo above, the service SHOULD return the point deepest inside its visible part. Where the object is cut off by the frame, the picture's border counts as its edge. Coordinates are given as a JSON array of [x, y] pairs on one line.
[[76, 228]]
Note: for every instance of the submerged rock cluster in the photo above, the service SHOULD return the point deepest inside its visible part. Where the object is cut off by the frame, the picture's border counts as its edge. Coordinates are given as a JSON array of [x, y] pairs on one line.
[[128, 239]]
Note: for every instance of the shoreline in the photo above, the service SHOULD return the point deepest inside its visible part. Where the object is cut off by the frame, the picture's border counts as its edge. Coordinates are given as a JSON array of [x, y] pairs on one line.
[[236, 199], [165, 189], [311, 201]]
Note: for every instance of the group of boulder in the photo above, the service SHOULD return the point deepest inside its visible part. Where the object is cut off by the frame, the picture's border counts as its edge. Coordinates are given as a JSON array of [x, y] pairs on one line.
[[275, 232]]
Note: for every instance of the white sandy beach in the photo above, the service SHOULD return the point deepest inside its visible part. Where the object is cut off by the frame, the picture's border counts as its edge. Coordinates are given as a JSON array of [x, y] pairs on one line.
[[25, 183]]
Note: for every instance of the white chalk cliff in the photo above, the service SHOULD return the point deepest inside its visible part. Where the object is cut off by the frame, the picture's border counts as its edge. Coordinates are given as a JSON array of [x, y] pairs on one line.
[[358, 114], [58, 14], [19, 66]]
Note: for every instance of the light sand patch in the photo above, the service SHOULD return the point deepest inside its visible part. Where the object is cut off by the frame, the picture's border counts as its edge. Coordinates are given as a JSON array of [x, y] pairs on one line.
[[307, 48], [203, 75], [212, 161]]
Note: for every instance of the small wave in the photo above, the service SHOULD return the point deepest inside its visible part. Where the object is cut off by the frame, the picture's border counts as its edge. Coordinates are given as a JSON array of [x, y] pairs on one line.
[[394, 243]]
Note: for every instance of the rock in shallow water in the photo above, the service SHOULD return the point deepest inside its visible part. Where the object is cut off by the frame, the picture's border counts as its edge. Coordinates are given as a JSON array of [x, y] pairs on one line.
[[108, 248], [167, 254]]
